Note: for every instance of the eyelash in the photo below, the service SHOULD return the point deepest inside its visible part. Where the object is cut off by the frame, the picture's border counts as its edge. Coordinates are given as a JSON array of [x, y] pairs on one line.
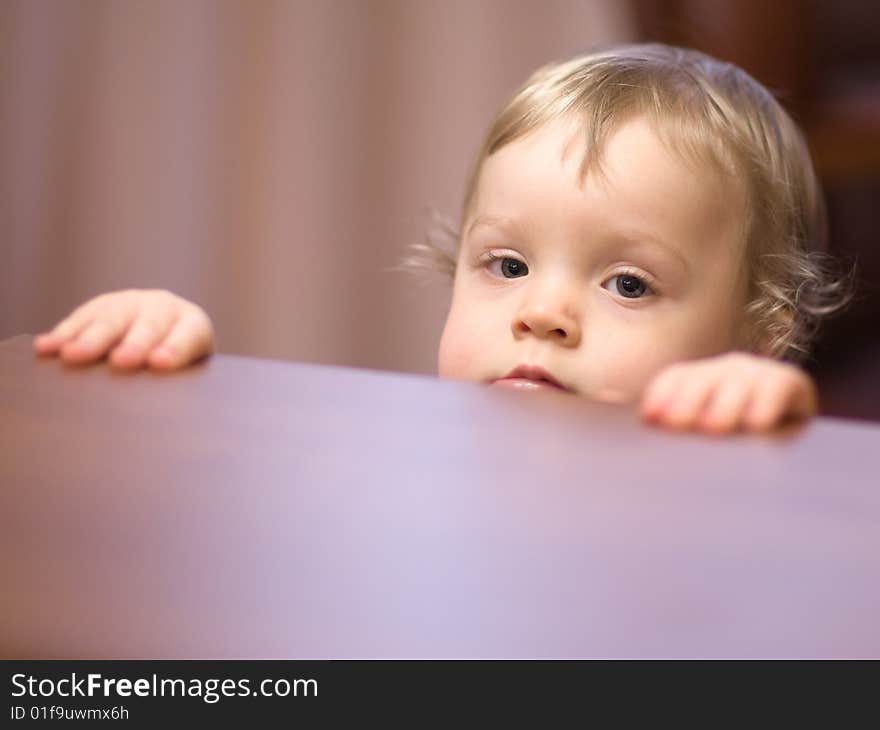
[[490, 257], [649, 281]]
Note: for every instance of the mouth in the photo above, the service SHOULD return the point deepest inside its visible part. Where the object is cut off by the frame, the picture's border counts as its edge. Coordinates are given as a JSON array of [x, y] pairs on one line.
[[529, 377]]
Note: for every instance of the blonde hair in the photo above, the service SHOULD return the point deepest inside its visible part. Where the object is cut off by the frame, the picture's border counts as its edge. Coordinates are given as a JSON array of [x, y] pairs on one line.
[[710, 112]]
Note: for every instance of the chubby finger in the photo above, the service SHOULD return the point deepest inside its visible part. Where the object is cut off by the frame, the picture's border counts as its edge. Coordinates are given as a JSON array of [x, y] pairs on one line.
[[95, 339], [661, 392], [687, 404], [191, 337], [50, 343], [146, 331], [725, 410], [786, 393]]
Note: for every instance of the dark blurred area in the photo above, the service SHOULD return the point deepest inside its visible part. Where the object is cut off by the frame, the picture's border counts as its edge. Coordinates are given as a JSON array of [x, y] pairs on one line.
[[822, 59]]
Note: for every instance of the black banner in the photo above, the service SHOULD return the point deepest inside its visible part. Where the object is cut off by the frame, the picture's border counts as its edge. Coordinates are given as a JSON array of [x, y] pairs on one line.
[[136, 693]]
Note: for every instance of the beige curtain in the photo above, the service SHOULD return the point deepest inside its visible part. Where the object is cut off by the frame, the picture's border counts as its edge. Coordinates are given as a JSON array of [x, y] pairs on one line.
[[269, 160]]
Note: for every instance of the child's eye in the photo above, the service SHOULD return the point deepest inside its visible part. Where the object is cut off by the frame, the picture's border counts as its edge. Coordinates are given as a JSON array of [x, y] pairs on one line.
[[628, 286], [508, 267]]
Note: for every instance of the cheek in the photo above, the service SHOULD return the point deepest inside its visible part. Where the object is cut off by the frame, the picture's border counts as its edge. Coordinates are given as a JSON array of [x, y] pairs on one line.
[[471, 325], [630, 372], [714, 328], [455, 358], [717, 320], [622, 354], [621, 363]]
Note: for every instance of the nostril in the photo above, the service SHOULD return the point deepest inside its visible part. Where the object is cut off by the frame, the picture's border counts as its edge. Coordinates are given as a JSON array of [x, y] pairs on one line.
[[523, 327]]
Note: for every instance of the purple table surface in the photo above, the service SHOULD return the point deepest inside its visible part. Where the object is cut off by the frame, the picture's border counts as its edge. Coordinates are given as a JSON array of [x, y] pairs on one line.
[[249, 508]]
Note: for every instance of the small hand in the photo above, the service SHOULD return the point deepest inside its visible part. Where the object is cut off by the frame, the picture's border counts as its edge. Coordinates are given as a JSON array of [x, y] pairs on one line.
[[737, 391], [137, 327]]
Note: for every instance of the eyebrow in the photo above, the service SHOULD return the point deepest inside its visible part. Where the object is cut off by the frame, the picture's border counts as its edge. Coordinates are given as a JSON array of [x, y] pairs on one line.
[[636, 237], [491, 221]]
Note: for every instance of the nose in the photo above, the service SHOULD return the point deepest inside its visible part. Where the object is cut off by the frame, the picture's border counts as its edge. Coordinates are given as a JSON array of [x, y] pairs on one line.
[[548, 316]]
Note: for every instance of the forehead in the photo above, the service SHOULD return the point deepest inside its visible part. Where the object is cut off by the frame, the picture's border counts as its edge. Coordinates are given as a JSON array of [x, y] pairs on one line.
[[641, 182]]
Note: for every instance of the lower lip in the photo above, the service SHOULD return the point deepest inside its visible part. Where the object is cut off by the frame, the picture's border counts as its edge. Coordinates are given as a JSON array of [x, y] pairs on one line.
[[525, 384]]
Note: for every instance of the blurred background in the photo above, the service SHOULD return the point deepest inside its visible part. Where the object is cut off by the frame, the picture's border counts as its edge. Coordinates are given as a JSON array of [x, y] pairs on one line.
[[272, 160]]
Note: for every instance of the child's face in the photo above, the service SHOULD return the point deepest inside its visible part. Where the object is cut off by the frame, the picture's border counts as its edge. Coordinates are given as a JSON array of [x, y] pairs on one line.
[[599, 282]]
